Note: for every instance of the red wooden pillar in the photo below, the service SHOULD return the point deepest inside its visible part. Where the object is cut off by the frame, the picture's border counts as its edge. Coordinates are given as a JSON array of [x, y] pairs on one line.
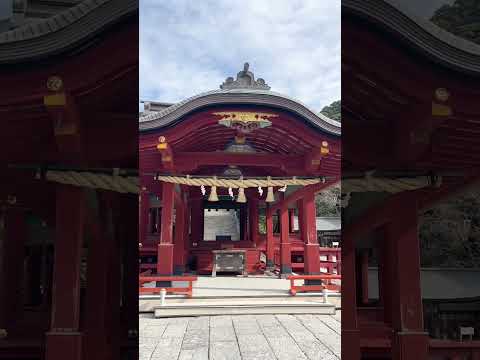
[[197, 220], [253, 221], [410, 339], [144, 210], [186, 233], [165, 246], [179, 248], [129, 230], [350, 333], [364, 275], [95, 344], [285, 253], [269, 238], [386, 274], [114, 278], [102, 325], [11, 267], [64, 340], [312, 251]]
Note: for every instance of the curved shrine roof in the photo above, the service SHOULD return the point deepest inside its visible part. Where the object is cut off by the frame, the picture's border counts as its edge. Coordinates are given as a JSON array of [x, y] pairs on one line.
[[57, 33], [419, 32], [172, 114], [244, 90]]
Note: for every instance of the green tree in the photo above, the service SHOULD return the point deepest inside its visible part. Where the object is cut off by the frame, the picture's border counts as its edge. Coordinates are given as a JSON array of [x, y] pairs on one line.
[[326, 202], [461, 18], [333, 111], [450, 233]]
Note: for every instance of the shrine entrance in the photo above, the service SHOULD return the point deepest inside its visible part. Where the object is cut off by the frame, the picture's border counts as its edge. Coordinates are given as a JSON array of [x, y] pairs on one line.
[[225, 221], [231, 170]]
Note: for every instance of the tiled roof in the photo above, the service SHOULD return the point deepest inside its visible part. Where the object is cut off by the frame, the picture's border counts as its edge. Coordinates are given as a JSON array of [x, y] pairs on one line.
[[51, 24], [419, 33], [53, 34]]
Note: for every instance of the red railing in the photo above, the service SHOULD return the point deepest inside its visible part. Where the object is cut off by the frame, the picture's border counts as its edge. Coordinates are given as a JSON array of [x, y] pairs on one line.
[[187, 290], [454, 350], [326, 283], [376, 339]]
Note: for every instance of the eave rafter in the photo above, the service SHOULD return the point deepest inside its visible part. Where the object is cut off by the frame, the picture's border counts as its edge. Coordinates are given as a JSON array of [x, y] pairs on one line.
[[189, 161]]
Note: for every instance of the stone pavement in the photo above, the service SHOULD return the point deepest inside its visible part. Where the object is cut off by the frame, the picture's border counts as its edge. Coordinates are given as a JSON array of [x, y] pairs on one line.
[[241, 337]]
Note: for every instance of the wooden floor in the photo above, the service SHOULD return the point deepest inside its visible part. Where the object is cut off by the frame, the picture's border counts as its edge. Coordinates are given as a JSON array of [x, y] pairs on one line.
[[241, 337]]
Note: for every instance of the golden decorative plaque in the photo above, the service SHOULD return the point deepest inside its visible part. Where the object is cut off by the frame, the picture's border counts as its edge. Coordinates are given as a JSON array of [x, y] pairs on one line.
[[245, 121]]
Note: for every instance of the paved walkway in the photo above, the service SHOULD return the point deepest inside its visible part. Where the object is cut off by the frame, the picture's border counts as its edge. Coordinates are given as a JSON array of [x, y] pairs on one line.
[[241, 337]]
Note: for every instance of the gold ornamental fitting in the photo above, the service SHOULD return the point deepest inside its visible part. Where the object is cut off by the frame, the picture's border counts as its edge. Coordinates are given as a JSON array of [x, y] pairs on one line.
[[324, 149], [246, 116], [54, 83], [162, 143], [442, 94], [245, 121]]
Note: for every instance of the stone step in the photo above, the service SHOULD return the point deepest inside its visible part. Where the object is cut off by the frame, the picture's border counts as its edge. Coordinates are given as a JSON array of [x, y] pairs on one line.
[[245, 308], [151, 303]]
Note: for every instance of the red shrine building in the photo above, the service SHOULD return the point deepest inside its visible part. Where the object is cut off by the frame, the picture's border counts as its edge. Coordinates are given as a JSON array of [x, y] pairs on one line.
[[231, 170], [68, 201], [410, 128]]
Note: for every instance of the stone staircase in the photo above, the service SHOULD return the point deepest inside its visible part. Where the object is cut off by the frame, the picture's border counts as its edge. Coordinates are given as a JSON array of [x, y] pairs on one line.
[[243, 306], [233, 295], [221, 222]]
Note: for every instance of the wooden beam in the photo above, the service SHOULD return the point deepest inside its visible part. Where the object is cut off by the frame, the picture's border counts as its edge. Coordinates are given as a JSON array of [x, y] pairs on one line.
[[165, 247], [285, 249], [269, 238], [166, 155], [300, 193], [313, 160], [67, 124], [188, 161], [429, 197]]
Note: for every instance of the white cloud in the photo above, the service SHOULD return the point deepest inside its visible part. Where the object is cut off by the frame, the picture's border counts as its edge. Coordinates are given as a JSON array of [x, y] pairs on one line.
[[187, 47]]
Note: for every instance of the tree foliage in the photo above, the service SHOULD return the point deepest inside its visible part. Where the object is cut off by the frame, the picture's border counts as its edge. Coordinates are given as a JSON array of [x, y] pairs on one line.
[[333, 111], [450, 233], [326, 202], [461, 18]]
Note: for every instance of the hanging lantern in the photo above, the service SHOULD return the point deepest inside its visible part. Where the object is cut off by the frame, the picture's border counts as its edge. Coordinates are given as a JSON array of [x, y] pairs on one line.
[[270, 196], [213, 194], [241, 195]]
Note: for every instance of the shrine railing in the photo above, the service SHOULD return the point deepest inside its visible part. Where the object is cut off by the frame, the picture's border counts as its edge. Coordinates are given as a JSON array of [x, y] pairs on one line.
[[171, 284], [454, 350], [376, 338], [328, 283]]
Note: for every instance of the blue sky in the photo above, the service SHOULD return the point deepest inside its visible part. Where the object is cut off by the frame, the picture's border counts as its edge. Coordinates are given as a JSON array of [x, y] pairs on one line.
[[191, 46]]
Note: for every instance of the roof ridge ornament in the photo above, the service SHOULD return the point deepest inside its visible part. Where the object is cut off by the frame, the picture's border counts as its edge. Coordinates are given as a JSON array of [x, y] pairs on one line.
[[245, 80]]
